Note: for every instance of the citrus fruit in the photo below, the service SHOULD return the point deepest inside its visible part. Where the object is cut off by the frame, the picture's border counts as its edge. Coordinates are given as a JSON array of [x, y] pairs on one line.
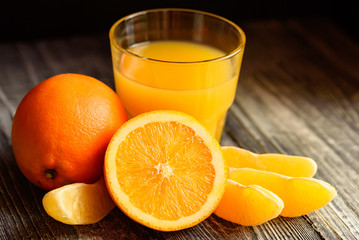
[[165, 170], [300, 195], [61, 130], [293, 166], [79, 203], [248, 205]]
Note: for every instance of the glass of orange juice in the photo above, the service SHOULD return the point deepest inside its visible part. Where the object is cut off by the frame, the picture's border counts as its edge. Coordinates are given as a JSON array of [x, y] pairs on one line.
[[177, 59]]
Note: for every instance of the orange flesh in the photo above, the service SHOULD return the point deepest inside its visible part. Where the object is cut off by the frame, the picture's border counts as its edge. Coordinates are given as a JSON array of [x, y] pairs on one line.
[[165, 170]]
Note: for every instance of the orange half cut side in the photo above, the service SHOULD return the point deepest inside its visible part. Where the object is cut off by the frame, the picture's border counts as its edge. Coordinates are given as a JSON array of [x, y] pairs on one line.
[[165, 170]]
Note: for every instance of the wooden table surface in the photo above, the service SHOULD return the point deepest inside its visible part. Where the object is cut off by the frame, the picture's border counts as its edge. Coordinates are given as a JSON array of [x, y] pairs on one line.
[[298, 93]]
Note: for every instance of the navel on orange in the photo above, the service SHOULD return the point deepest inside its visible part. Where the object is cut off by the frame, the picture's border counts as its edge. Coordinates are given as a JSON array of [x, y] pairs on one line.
[[165, 170]]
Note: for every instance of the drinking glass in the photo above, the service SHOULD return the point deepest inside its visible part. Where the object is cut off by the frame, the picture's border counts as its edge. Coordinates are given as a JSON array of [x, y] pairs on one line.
[[177, 59]]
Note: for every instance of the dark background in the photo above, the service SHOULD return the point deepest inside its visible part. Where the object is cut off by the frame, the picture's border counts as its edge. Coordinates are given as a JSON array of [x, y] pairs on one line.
[[27, 20]]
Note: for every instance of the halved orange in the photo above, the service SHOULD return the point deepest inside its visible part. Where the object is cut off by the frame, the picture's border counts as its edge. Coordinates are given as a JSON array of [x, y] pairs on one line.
[[165, 170]]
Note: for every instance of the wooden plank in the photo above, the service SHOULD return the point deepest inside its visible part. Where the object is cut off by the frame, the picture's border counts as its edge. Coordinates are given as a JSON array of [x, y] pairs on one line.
[[89, 56], [278, 108], [335, 45], [304, 143], [21, 207], [275, 90], [14, 80], [6, 115]]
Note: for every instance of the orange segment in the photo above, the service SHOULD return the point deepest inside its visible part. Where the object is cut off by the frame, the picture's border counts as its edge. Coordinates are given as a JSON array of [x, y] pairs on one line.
[[248, 205], [292, 166], [78, 203], [165, 171], [300, 195]]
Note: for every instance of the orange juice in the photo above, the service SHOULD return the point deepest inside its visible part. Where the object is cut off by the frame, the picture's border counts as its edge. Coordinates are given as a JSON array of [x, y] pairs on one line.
[[177, 75]]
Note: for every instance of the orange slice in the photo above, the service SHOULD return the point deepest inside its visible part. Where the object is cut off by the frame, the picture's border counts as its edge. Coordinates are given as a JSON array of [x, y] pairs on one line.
[[165, 170], [78, 203], [300, 195], [293, 166], [248, 205]]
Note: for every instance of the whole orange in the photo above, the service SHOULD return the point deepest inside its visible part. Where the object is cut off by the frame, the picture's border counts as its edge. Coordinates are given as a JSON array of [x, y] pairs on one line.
[[61, 130]]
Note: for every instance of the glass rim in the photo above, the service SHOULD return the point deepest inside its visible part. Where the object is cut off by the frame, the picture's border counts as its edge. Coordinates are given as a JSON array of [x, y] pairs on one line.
[[237, 50]]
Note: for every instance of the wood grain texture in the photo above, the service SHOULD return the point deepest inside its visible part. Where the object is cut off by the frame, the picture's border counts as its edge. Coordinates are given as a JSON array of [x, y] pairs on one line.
[[298, 93]]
